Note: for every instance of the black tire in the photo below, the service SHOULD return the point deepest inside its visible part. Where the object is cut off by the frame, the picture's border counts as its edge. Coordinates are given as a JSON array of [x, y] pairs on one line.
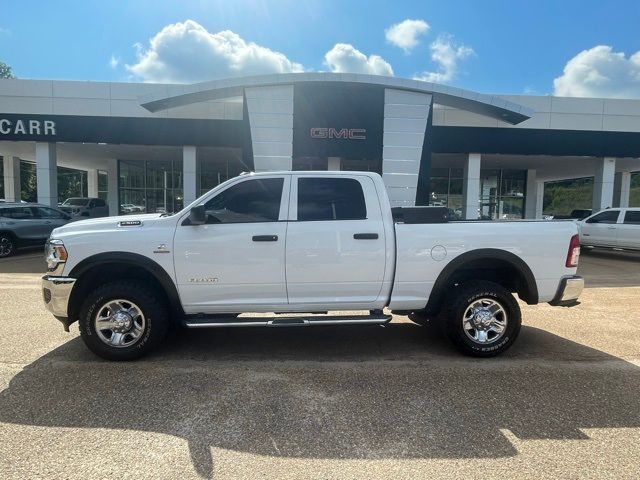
[[152, 306], [7, 245], [461, 299]]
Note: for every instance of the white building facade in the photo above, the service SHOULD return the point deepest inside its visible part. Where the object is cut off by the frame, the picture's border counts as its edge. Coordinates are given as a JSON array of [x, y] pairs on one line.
[[156, 148]]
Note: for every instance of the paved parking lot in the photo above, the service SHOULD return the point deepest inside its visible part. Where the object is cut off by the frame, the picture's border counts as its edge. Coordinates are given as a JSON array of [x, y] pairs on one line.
[[392, 402]]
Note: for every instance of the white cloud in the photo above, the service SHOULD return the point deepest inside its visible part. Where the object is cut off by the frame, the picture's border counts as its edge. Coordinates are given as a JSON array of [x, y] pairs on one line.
[[600, 72], [405, 34], [447, 54], [345, 58], [114, 62], [187, 52]]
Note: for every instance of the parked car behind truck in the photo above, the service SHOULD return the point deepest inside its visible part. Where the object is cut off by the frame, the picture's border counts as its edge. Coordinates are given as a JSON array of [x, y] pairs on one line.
[[300, 242], [27, 224], [612, 228], [82, 207]]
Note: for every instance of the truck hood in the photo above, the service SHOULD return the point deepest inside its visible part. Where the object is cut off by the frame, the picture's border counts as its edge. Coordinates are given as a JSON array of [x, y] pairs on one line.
[[107, 223]]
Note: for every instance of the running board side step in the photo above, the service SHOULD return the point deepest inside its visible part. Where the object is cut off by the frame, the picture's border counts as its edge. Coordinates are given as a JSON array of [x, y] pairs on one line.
[[230, 322]]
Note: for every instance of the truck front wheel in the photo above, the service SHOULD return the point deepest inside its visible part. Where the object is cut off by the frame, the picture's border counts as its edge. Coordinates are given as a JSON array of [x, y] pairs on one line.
[[482, 319], [123, 320]]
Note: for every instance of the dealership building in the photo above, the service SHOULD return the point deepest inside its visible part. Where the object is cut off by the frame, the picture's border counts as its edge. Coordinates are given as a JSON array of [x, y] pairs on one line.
[[155, 148]]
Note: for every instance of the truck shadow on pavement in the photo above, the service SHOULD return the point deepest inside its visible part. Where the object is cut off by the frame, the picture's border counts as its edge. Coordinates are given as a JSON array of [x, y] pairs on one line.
[[358, 393]]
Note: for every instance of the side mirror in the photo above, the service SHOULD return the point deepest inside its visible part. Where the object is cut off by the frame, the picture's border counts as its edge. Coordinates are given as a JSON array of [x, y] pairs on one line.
[[197, 215]]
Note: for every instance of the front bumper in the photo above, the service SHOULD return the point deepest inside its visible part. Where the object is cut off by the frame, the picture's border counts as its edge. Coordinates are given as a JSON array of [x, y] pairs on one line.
[[569, 290], [56, 292]]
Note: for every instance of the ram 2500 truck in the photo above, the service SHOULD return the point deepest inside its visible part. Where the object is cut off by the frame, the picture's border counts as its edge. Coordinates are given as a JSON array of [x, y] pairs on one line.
[[303, 243]]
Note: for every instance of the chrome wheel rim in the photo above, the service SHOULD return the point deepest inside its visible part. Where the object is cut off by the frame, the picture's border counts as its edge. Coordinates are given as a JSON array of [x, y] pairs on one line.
[[119, 323], [485, 321], [6, 246]]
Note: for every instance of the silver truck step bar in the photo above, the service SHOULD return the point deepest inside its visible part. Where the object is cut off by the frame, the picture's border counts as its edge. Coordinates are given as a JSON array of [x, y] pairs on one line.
[[232, 322]]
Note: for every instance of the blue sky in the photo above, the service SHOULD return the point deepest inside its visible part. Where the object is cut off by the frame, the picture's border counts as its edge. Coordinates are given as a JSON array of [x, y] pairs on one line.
[[490, 46]]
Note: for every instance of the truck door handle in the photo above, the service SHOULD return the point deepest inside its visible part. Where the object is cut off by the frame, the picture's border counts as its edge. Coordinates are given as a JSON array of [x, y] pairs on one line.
[[265, 238], [611, 228], [365, 236]]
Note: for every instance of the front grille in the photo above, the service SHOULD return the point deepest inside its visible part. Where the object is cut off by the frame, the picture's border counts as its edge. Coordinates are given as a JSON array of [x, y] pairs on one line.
[[46, 293]]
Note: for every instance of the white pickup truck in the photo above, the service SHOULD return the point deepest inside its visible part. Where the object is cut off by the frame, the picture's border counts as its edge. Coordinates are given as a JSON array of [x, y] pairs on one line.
[[302, 244]]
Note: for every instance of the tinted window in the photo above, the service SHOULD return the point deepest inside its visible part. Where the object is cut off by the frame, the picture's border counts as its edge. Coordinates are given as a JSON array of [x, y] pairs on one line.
[[98, 202], [632, 217], [17, 213], [610, 216], [250, 201], [330, 199], [44, 212]]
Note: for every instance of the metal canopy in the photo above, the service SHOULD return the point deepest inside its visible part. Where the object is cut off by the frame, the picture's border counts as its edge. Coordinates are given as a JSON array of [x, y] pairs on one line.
[[489, 105]]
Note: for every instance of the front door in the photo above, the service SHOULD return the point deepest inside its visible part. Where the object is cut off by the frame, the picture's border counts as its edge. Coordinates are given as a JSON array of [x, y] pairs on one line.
[[335, 242], [235, 261], [601, 229]]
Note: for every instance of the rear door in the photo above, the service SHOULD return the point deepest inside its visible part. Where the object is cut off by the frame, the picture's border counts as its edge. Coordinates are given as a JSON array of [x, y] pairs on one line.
[[601, 229], [49, 218], [235, 262], [629, 230], [335, 242]]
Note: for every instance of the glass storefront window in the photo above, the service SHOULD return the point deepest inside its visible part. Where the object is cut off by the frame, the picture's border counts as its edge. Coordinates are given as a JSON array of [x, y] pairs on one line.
[[150, 186], [634, 193], [2, 177], [217, 165], [501, 192], [71, 183], [103, 185]]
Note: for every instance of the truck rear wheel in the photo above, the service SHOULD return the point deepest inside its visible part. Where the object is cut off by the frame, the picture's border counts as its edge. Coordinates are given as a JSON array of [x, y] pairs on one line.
[[482, 319], [123, 320]]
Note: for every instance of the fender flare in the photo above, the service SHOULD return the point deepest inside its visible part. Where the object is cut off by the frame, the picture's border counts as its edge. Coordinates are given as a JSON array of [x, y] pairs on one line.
[[439, 287], [137, 260]]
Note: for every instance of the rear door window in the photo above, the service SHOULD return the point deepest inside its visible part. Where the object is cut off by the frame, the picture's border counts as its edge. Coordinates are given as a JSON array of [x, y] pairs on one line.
[[632, 217], [330, 199], [18, 213]]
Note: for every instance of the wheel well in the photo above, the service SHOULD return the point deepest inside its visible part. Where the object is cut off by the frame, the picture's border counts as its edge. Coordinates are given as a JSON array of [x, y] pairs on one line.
[[503, 271], [98, 274]]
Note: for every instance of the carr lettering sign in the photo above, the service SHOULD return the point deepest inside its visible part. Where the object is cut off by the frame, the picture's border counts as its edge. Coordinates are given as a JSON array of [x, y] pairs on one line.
[[21, 126]]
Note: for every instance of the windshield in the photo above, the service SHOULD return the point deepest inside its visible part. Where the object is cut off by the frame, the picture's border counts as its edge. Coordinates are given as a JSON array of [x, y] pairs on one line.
[[78, 202]]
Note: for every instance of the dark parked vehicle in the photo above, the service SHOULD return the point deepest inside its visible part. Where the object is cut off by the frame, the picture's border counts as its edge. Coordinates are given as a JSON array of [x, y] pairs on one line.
[[577, 214], [27, 224]]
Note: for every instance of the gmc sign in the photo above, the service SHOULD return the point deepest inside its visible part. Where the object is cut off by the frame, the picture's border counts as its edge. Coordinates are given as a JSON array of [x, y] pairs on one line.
[[346, 133]]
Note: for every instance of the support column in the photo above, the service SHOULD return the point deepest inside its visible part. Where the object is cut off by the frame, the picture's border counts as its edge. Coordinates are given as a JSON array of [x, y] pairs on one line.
[[531, 195], [12, 189], [333, 164], [92, 183], [112, 186], [471, 186], [539, 199], [47, 174], [621, 189], [603, 183], [189, 173]]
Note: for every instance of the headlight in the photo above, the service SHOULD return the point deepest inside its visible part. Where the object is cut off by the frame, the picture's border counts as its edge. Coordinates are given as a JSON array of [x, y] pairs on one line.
[[55, 254]]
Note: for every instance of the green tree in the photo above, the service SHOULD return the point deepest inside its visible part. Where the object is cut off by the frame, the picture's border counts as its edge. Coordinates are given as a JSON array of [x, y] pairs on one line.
[[6, 71]]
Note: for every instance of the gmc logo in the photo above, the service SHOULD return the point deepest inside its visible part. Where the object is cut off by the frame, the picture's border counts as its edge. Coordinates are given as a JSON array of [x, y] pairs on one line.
[[347, 133]]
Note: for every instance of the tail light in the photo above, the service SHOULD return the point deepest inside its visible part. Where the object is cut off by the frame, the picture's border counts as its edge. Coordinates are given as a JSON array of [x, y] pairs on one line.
[[573, 255]]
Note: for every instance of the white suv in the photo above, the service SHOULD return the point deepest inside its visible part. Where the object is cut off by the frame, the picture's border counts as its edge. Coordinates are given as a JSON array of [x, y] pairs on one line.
[[612, 228], [85, 207]]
